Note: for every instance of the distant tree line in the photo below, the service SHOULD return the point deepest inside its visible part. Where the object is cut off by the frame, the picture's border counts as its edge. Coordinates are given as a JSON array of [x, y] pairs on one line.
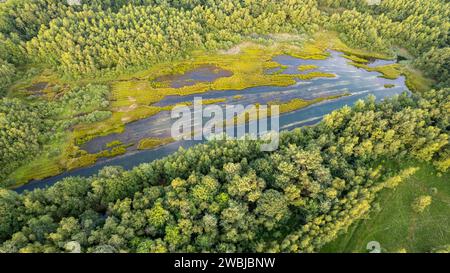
[[422, 27], [103, 36]]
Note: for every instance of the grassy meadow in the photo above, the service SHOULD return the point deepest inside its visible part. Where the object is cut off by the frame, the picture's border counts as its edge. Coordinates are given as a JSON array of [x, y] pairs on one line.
[[396, 225]]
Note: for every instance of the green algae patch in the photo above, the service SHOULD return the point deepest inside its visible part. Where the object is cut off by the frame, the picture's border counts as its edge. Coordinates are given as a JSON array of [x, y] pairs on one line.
[[309, 51], [296, 104], [292, 105], [87, 159], [119, 150], [314, 75], [82, 161], [415, 81], [57, 157], [114, 143], [280, 69], [150, 143], [355, 59], [115, 124], [201, 73], [307, 67], [391, 71], [190, 103]]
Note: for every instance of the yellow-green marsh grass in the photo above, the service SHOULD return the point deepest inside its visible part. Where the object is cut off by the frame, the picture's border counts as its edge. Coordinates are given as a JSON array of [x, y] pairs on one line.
[[296, 104], [150, 143], [307, 67]]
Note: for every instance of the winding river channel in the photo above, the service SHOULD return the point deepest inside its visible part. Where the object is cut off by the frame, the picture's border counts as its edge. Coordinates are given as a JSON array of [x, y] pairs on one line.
[[356, 83]]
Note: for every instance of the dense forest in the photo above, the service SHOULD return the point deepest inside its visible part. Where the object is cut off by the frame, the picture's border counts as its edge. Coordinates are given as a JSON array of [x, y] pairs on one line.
[[100, 36], [219, 196]]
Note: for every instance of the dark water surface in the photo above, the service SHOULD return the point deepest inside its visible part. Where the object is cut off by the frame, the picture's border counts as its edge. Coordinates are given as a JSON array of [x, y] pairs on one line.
[[204, 73]]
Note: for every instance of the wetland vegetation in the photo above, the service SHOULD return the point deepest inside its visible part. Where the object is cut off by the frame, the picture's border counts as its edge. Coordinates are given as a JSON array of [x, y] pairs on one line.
[[142, 96]]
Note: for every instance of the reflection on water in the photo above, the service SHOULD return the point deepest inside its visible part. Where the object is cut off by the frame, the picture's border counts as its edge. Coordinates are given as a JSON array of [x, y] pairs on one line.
[[378, 62], [357, 82]]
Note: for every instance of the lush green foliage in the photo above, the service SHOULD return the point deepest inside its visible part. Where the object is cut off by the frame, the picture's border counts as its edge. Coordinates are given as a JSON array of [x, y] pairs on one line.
[[87, 104], [436, 63], [230, 196], [137, 35], [23, 129], [7, 71], [26, 127], [417, 26], [84, 99], [362, 30], [20, 20], [102, 36]]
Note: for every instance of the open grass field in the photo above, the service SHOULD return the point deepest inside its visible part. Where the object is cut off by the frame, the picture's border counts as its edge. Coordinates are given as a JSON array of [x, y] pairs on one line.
[[395, 225]]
